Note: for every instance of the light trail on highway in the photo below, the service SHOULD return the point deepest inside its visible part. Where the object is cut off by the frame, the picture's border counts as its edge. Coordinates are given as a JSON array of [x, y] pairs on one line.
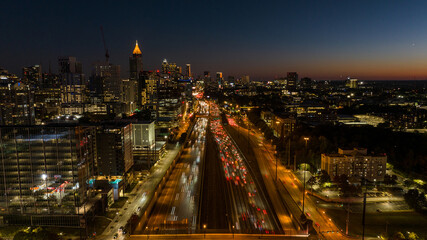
[[250, 213], [289, 183], [176, 208]]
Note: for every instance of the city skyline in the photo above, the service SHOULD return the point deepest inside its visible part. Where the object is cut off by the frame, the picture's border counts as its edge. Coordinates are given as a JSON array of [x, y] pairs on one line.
[[324, 41]]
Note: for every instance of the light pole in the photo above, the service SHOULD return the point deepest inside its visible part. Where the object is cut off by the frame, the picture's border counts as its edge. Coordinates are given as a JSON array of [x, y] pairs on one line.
[[275, 155], [148, 235], [44, 177], [305, 169], [249, 127], [204, 228], [233, 232]]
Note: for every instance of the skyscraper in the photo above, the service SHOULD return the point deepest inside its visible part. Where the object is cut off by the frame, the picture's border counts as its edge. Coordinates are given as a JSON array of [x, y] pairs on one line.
[[32, 75], [106, 83], [135, 75], [292, 80], [73, 85], [245, 79], [188, 72], [219, 79]]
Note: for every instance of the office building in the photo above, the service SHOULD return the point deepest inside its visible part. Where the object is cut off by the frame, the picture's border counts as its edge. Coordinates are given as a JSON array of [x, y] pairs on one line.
[[106, 84], [73, 86], [144, 144], [32, 75], [356, 164], [245, 80], [16, 103], [291, 80], [135, 76], [114, 147], [44, 173], [282, 126], [188, 72]]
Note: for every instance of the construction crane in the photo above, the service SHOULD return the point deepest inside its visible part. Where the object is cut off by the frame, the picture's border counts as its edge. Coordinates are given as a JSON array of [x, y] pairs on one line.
[[107, 55]]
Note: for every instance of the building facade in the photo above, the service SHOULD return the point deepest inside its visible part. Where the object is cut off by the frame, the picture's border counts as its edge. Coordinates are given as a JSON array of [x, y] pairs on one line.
[[114, 147], [356, 164], [44, 173]]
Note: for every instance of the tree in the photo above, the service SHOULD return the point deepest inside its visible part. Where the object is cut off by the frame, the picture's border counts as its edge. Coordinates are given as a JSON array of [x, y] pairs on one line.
[[38, 233], [398, 236], [324, 177], [413, 236]]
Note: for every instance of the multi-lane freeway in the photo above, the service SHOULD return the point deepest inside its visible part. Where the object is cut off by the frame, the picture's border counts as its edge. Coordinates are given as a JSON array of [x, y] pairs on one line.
[[288, 185], [176, 209], [250, 211]]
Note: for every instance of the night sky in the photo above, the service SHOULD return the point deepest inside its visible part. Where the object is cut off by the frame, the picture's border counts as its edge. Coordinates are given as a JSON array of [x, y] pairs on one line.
[[321, 39]]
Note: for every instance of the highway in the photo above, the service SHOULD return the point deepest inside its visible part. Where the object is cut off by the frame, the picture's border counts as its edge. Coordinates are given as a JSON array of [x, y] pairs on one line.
[[250, 211], [215, 204], [290, 188], [141, 195], [176, 209]]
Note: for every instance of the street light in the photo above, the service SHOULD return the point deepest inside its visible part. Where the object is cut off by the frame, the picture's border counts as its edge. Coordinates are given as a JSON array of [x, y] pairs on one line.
[[44, 177], [233, 232], [148, 235], [204, 228], [305, 169]]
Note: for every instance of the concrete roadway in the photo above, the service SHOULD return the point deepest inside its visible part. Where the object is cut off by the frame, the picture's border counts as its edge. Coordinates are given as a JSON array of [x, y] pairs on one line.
[[176, 208], [215, 204], [282, 213], [251, 211], [218, 236], [140, 195], [288, 181]]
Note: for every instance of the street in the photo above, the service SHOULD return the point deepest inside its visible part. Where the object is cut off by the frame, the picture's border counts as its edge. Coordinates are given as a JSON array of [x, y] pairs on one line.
[[176, 208]]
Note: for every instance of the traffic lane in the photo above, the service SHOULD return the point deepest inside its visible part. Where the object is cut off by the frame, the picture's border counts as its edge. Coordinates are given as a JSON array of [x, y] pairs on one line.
[[231, 152], [281, 211], [141, 197], [215, 210], [167, 211], [254, 140], [317, 216]]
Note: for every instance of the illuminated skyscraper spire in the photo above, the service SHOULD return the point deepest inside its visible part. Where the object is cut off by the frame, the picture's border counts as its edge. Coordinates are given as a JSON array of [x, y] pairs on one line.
[[136, 50]]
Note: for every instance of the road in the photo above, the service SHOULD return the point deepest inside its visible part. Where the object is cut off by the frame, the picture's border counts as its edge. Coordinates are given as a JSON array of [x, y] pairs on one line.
[[219, 236], [289, 183], [176, 209], [288, 224], [215, 203], [140, 195], [251, 211]]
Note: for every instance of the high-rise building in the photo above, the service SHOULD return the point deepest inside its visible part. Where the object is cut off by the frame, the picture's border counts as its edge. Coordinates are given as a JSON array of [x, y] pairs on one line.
[[73, 86], [32, 75], [114, 148], [245, 79], [188, 72], [106, 83], [351, 82], [135, 75], [143, 139], [206, 74], [44, 174], [219, 79], [16, 103], [292, 80], [130, 92]]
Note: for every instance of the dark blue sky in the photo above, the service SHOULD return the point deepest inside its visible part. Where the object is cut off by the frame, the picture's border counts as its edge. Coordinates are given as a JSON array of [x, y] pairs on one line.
[[320, 39]]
